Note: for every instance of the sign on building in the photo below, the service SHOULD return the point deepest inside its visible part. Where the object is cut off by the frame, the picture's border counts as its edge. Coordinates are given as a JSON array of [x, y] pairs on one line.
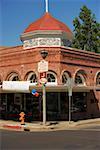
[[16, 85], [70, 84], [42, 66]]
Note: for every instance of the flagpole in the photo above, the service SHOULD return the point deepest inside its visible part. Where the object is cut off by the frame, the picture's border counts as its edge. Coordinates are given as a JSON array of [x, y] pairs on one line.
[[46, 1]]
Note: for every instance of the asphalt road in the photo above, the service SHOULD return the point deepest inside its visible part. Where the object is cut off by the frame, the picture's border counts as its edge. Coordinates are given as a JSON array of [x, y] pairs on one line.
[[53, 140]]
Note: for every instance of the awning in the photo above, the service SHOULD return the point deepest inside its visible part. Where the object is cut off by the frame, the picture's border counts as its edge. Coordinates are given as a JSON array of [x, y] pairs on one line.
[[54, 88], [62, 88]]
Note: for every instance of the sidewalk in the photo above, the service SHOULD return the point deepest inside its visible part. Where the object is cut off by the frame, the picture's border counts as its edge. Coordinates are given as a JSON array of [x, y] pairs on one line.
[[49, 126]]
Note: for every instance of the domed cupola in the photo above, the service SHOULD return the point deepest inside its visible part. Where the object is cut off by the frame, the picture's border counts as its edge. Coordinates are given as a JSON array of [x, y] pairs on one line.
[[46, 31]]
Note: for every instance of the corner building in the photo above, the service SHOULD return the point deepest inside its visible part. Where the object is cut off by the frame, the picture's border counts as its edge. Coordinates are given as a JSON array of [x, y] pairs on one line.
[[20, 63]]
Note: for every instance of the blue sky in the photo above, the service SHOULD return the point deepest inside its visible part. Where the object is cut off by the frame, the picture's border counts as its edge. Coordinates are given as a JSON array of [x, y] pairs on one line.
[[16, 15]]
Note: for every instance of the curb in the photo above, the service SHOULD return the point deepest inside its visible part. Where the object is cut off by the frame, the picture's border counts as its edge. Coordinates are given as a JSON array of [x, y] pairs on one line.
[[49, 126], [12, 126], [85, 122]]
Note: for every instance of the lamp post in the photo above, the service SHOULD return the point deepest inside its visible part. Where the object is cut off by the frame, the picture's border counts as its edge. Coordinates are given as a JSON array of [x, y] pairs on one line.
[[44, 54], [70, 84]]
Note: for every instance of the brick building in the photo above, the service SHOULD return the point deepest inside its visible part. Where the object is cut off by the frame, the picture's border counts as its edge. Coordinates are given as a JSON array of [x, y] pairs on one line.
[[20, 63]]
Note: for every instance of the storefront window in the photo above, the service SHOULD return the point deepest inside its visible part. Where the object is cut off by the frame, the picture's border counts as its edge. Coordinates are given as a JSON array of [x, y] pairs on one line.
[[79, 102]]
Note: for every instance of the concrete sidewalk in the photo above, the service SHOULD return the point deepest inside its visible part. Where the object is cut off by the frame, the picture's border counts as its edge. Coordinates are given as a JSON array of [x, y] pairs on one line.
[[49, 126]]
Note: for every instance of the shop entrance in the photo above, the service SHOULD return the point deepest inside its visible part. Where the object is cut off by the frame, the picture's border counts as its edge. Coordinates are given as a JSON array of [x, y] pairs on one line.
[[11, 104], [57, 106], [33, 107]]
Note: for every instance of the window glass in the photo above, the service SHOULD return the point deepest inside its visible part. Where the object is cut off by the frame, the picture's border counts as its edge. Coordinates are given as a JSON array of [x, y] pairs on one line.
[[98, 79], [15, 78], [78, 80], [50, 77], [31, 76]]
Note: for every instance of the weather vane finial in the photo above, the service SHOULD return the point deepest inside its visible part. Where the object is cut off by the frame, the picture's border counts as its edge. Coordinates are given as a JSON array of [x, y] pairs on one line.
[[46, 1]]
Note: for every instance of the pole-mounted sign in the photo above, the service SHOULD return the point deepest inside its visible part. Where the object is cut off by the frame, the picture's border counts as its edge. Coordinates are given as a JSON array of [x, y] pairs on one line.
[[43, 78], [70, 84], [42, 66], [42, 69]]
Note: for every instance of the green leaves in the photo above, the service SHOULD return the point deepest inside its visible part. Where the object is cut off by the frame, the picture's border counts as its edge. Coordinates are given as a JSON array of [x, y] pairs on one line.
[[86, 31]]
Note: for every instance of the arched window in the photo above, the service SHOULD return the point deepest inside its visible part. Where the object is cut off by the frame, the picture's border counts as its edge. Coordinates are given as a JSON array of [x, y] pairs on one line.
[[51, 77], [0, 82], [31, 76], [66, 75], [13, 77], [98, 79], [80, 78]]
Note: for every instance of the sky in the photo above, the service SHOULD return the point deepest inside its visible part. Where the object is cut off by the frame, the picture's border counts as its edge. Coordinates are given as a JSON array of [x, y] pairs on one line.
[[16, 15]]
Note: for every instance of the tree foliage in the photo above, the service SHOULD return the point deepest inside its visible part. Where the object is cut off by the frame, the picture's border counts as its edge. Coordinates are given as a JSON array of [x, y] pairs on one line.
[[86, 31]]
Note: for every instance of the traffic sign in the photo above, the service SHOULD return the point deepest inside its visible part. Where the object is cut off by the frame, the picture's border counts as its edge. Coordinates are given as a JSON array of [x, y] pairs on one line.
[[42, 66], [70, 84], [42, 75], [43, 80]]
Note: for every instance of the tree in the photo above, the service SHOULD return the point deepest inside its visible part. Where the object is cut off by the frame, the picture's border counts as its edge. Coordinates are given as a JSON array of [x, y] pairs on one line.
[[86, 31]]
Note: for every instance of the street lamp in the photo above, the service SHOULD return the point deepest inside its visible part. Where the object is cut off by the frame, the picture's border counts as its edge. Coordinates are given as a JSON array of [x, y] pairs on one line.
[[44, 54]]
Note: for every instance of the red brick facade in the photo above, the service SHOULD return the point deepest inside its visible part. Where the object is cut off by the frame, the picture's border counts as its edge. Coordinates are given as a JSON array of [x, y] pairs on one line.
[[62, 59], [15, 59]]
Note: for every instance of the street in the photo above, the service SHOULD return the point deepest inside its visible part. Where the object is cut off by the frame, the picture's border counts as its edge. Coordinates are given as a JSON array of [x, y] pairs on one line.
[[83, 139]]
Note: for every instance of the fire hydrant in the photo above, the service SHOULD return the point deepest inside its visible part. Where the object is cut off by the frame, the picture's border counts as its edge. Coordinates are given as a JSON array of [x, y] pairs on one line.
[[22, 118]]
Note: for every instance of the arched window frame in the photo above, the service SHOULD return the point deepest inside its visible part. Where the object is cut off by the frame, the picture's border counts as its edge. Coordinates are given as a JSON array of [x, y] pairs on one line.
[[55, 76], [0, 82], [12, 76], [82, 78], [29, 76], [98, 79]]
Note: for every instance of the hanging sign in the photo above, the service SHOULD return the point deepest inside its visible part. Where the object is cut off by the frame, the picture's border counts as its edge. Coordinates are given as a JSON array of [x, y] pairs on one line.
[[42, 66]]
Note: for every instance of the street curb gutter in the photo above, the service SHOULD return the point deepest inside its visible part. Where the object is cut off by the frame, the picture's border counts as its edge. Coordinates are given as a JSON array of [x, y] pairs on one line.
[[89, 121]]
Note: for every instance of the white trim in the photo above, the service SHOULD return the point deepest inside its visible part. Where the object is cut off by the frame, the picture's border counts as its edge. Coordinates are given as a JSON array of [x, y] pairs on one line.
[[42, 42]]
